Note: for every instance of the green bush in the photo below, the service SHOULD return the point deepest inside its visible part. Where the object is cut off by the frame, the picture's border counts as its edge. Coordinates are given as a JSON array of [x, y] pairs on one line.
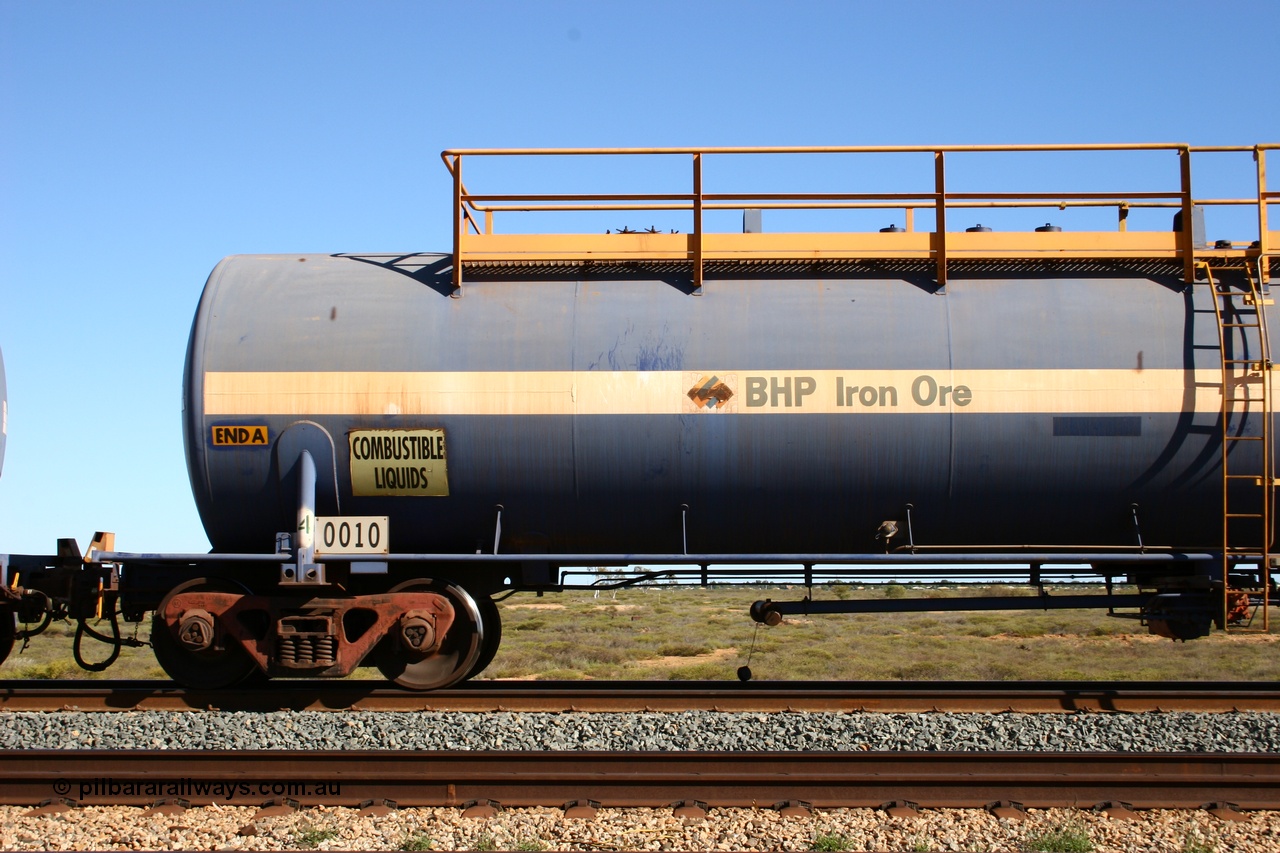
[[312, 836], [51, 669], [826, 841], [1194, 842], [416, 843], [1070, 837], [683, 650]]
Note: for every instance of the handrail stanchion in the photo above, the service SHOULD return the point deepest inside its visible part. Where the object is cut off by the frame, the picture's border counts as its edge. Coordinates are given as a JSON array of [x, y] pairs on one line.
[[1187, 239], [457, 222], [940, 237], [697, 224], [1264, 265]]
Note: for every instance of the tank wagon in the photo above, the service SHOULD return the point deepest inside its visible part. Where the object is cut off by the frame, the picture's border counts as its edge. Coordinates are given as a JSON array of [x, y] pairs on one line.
[[381, 444]]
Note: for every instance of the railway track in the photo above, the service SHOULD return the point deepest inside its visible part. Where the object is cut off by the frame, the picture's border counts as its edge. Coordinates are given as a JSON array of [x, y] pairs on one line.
[[640, 779], [483, 779], [902, 697]]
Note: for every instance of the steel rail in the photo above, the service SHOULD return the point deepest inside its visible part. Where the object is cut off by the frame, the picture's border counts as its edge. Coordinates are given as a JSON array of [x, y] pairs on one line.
[[639, 779], [652, 696]]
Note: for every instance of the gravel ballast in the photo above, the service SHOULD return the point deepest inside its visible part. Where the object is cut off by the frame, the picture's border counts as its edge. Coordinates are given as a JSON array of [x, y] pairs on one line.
[[337, 827], [1249, 732], [327, 828]]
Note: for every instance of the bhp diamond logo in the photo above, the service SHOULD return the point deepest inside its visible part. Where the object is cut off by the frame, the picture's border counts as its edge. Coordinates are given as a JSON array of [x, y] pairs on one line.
[[710, 392]]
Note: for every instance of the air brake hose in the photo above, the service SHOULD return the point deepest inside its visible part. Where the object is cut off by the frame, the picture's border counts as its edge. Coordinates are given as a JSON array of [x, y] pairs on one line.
[[114, 640]]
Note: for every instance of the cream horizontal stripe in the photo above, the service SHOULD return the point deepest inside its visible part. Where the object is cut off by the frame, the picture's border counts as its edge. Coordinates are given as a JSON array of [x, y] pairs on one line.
[[752, 392]]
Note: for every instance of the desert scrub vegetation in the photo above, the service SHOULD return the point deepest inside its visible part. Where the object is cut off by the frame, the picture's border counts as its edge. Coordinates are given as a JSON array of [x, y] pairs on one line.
[[681, 633], [671, 632], [1070, 837], [311, 836], [831, 841], [415, 842]]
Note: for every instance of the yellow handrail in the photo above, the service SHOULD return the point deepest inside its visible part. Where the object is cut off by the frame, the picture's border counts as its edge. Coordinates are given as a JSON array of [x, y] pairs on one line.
[[468, 205]]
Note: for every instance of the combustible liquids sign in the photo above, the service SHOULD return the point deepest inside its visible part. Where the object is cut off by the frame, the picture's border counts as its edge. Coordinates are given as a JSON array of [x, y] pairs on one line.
[[398, 462]]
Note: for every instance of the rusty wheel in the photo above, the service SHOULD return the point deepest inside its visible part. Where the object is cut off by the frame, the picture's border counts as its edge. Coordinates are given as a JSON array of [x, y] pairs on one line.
[[490, 634], [223, 664], [460, 650]]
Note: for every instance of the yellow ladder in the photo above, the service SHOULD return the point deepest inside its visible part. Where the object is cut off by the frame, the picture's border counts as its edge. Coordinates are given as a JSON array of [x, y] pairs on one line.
[[1246, 388]]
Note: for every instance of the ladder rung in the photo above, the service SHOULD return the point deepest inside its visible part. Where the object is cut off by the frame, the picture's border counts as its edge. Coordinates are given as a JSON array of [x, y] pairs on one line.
[[1244, 515], [1241, 476], [1242, 325], [1242, 438]]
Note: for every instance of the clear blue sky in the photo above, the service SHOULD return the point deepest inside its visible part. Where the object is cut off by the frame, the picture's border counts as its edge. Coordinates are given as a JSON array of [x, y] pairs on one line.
[[144, 141]]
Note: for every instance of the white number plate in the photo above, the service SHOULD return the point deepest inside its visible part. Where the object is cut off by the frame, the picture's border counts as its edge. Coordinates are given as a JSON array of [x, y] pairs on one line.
[[357, 534]]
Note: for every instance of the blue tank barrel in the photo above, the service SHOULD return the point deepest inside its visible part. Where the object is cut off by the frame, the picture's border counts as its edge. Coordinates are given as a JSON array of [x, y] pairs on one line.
[[1023, 407]]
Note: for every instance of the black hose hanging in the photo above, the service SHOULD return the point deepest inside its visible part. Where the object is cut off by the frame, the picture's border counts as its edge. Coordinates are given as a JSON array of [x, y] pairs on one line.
[[82, 628]]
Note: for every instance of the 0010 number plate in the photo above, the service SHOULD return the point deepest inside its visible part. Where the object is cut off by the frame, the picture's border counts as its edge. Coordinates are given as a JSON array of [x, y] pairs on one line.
[[362, 534]]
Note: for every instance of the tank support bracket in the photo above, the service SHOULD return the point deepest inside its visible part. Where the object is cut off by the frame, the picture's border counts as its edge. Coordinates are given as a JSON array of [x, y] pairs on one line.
[[305, 570]]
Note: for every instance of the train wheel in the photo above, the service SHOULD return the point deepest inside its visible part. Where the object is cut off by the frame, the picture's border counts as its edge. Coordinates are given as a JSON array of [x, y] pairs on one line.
[[490, 634], [459, 652], [8, 630], [209, 669]]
